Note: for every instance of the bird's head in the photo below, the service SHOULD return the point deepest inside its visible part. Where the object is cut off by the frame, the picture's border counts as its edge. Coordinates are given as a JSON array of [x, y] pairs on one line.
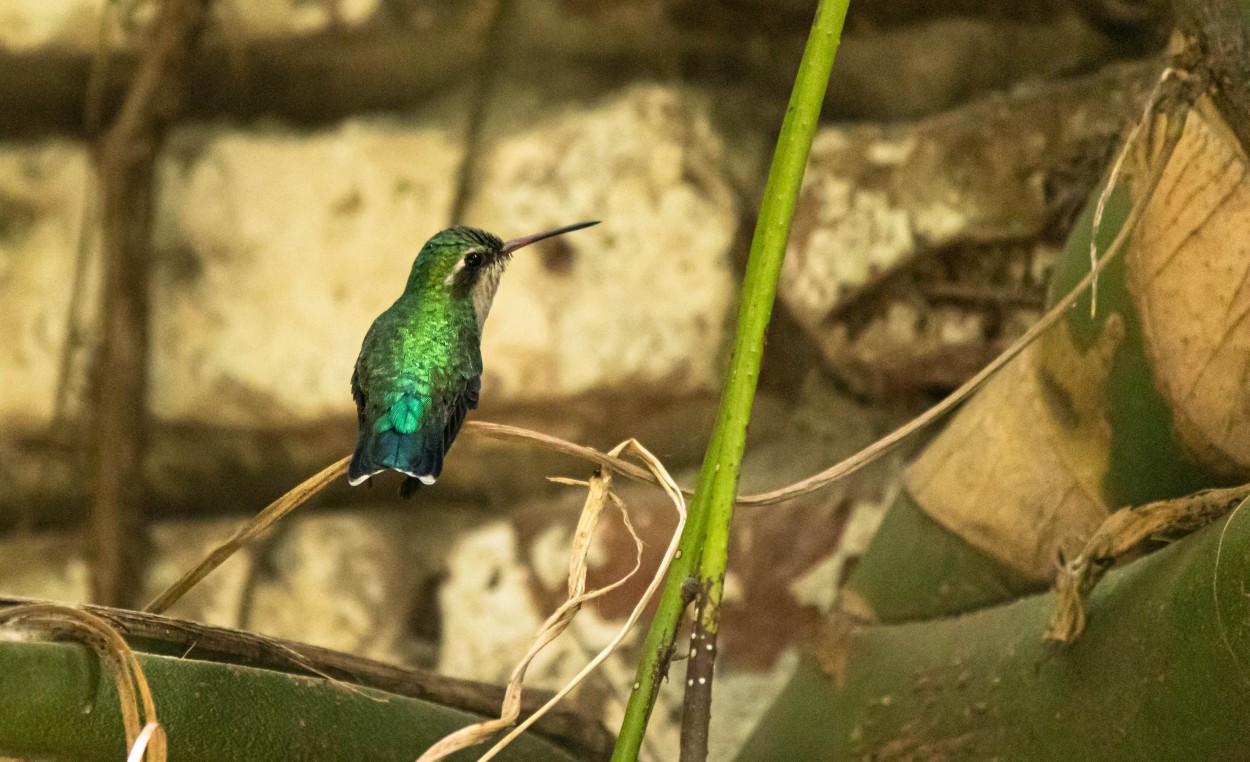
[[467, 263]]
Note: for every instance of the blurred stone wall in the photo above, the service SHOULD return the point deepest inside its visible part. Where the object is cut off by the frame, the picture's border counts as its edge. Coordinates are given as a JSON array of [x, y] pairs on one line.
[[329, 139]]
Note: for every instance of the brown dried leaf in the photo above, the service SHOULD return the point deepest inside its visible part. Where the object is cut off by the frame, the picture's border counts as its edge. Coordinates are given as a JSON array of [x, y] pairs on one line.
[[1018, 471], [1118, 536], [1012, 477], [1190, 277]]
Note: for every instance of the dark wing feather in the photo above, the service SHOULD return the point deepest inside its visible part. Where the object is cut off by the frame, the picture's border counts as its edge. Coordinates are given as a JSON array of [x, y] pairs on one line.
[[466, 401], [358, 394], [360, 465]]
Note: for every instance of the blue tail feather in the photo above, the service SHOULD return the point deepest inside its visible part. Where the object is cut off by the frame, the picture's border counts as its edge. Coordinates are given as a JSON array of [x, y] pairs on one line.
[[420, 452], [396, 439]]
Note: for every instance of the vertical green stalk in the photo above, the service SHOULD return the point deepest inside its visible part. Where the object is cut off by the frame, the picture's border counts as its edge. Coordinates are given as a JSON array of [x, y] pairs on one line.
[[704, 542]]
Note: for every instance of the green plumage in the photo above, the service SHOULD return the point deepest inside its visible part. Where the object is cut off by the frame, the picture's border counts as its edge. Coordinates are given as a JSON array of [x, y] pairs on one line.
[[420, 369]]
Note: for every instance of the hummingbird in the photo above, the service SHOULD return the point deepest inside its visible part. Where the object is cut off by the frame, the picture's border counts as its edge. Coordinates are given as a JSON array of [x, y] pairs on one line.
[[420, 367]]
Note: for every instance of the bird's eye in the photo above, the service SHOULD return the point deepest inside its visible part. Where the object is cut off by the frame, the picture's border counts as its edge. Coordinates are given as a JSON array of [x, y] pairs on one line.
[[473, 259]]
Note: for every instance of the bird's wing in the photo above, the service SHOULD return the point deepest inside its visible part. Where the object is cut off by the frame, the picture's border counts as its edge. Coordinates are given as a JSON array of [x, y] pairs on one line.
[[464, 402], [358, 393]]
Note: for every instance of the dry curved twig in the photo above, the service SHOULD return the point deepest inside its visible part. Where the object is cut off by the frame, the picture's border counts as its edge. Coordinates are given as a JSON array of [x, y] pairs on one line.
[[145, 738]]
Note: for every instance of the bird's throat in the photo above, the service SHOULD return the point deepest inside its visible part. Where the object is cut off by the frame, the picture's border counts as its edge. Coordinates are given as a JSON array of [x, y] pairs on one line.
[[483, 293]]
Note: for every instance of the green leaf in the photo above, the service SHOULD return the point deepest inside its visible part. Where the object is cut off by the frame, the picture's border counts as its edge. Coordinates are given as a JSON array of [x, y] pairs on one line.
[[214, 711], [1161, 673]]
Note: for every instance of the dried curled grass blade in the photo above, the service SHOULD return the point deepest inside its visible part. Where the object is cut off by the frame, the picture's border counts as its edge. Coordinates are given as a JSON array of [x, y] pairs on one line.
[[504, 432], [151, 734], [138, 707], [599, 493], [679, 503], [598, 489], [255, 526]]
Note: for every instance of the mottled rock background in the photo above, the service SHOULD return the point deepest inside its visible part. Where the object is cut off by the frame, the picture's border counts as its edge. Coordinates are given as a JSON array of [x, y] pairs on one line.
[[326, 140]]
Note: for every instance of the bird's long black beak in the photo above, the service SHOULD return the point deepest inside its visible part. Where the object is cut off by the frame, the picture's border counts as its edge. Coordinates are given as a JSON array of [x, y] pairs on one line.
[[517, 243]]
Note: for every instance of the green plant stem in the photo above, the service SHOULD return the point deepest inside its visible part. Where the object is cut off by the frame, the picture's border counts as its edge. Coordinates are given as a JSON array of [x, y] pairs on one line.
[[704, 542], [658, 649], [772, 230]]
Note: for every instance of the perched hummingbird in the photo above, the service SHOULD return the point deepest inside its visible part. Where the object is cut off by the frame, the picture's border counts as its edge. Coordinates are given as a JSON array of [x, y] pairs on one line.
[[420, 367]]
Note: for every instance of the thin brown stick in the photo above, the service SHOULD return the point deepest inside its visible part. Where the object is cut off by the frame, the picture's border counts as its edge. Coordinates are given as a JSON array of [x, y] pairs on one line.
[[700, 665], [504, 432], [489, 66]]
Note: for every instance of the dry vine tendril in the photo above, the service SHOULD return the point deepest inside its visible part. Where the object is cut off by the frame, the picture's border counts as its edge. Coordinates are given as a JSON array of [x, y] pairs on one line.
[[144, 735]]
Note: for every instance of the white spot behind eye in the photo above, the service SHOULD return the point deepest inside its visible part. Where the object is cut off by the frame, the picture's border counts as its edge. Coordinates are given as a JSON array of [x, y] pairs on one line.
[[456, 268]]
